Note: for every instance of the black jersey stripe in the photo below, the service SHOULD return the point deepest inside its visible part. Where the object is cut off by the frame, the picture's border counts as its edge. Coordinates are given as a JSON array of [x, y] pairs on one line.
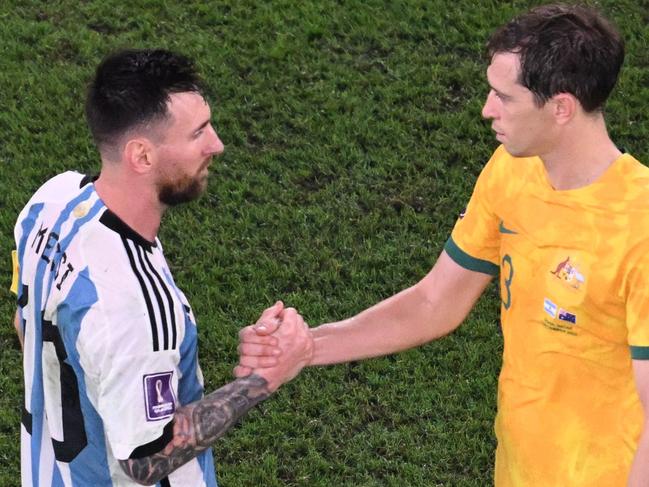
[[145, 294], [165, 288], [159, 300], [26, 420]]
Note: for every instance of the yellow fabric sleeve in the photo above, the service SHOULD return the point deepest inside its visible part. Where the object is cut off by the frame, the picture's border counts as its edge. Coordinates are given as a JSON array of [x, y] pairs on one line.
[[475, 241], [637, 304]]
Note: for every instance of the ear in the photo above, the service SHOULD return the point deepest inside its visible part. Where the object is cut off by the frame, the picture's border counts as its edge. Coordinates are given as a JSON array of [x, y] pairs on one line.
[[565, 107], [139, 154]]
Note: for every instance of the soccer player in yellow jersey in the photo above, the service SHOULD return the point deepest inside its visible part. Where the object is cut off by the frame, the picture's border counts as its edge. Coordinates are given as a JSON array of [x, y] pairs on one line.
[[561, 215]]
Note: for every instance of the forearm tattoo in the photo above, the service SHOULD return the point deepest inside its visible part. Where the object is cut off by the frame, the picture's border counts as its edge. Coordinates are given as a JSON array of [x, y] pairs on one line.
[[197, 426]]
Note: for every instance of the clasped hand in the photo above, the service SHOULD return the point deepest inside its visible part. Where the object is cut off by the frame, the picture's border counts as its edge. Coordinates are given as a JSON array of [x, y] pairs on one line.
[[276, 348]]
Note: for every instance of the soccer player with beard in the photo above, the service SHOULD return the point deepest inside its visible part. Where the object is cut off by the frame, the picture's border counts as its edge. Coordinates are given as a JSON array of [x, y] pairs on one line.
[[113, 389]]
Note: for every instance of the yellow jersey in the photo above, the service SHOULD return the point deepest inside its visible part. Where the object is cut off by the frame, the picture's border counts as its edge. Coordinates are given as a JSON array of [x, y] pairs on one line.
[[574, 284]]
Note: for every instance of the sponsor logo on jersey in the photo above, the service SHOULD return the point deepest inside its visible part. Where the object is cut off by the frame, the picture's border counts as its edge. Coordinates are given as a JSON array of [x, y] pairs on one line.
[[550, 308], [159, 396], [567, 316], [568, 272], [503, 229]]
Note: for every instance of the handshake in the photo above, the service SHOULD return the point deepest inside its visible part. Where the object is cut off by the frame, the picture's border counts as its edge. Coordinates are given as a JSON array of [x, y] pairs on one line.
[[275, 348]]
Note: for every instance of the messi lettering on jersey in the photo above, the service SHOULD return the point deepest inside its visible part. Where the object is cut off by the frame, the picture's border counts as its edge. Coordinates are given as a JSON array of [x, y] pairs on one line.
[[52, 253]]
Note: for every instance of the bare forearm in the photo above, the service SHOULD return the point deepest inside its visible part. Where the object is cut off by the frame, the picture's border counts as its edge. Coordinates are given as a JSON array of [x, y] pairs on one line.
[[639, 476], [432, 308], [398, 323], [197, 426]]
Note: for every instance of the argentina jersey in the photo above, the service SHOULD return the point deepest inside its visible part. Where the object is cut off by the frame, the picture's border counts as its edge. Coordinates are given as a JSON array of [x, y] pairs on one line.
[[110, 345]]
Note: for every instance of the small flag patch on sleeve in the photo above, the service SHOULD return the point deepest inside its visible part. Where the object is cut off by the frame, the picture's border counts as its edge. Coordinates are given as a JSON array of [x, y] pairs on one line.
[[16, 271]]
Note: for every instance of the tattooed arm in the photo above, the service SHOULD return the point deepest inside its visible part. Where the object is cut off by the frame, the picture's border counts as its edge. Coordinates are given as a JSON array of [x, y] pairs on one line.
[[197, 426]]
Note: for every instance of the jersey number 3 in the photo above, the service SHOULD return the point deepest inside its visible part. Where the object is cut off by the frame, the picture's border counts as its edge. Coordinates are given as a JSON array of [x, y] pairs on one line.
[[507, 270]]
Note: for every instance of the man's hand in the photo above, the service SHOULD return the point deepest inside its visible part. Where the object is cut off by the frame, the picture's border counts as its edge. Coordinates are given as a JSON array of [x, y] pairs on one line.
[[276, 348]]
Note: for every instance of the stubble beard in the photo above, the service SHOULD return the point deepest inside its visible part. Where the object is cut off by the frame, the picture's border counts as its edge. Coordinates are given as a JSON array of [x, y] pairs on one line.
[[173, 193]]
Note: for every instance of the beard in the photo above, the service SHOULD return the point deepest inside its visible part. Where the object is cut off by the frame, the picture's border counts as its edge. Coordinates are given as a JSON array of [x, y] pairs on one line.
[[184, 190]]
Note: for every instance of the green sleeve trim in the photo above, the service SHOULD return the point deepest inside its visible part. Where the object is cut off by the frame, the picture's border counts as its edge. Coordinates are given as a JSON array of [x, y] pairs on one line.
[[469, 262], [639, 353]]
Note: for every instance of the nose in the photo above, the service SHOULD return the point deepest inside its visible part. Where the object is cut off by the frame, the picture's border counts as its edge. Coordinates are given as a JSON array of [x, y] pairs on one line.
[[488, 110], [216, 146]]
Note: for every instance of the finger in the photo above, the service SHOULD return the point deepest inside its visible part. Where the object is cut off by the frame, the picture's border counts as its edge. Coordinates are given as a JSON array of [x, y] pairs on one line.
[[255, 350], [249, 335], [267, 327], [257, 362], [272, 312], [270, 319], [239, 371], [289, 316]]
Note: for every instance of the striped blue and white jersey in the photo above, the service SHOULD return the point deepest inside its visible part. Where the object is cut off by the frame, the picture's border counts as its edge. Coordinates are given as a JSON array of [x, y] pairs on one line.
[[110, 346]]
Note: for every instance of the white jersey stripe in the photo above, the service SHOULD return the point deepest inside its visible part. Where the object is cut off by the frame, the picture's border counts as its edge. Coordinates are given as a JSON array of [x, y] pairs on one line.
[[170, 304], [160, 308], [145, 293]]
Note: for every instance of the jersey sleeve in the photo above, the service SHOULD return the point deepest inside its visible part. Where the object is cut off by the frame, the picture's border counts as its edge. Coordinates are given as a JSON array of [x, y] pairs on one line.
[[637, 303], [475, 241]]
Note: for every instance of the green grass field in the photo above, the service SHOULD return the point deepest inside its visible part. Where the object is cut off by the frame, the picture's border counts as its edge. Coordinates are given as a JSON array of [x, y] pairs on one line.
[[353, 138]]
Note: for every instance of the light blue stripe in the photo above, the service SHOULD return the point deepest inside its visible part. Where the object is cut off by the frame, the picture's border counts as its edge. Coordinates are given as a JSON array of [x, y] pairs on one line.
[[189, 387], [57, 480], [90, 467], [38, 299], [27, 225]]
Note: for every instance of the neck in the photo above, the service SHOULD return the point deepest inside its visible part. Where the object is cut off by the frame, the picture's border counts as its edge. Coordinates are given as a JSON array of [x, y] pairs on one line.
[[136, 204], [581, 154]]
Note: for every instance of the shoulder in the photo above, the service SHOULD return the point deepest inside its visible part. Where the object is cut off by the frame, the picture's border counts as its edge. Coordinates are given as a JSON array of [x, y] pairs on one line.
[[59, 188], [49, 200], [628, 188]]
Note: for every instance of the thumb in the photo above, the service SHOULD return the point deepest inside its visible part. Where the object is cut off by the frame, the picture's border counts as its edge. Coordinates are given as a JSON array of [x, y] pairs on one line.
[[270, 319]]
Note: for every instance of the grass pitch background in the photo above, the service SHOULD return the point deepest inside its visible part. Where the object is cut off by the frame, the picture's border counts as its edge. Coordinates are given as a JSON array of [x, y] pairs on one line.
[[353, 138]]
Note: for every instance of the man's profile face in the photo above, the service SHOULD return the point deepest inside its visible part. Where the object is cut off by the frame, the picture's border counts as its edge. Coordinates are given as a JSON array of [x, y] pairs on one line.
[[188, 144], [522, 126]]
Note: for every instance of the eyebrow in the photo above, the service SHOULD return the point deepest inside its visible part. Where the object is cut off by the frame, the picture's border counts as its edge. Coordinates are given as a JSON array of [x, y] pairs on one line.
[[202, 126], [498, 92]]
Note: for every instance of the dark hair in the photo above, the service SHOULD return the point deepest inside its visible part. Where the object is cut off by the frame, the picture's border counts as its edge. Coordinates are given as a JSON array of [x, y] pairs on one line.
[[564, 49], [132, 87]]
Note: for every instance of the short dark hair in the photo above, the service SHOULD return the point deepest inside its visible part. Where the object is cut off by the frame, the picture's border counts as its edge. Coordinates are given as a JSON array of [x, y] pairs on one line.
[[132, 87], [564, 49]]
